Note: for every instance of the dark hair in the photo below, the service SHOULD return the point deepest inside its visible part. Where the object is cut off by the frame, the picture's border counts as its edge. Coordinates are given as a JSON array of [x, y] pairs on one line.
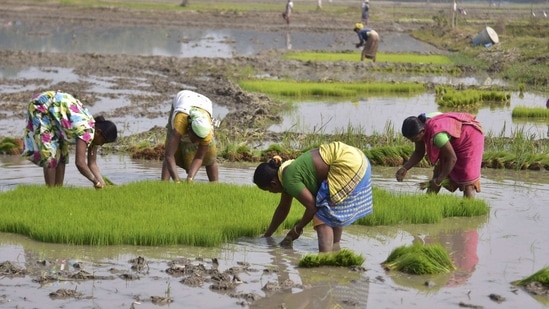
[[108, 129], [412, 125], [266, 171]]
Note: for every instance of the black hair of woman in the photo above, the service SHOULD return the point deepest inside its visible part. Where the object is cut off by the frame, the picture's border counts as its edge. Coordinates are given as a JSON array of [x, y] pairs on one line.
[[412, 125], [108, 129], [266, 171]]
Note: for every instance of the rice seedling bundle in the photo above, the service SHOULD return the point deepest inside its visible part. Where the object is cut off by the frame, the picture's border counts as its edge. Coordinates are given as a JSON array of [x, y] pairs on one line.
[[344, 257], [530, 112], [450, 97], [299, 89], [381, 57], [419, 259], [392, 208], [154, 213], [541, 276]]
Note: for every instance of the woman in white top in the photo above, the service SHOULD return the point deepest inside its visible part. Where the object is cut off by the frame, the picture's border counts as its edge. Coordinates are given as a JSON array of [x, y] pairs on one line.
[[190, 141]]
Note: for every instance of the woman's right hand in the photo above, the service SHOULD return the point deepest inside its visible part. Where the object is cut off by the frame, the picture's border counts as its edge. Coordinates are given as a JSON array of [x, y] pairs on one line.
[[292, 235], [400, 174]]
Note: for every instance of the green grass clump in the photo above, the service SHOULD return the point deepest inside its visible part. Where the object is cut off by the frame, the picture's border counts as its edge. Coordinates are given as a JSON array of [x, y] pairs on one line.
[[381, 57], [530, 112], [300, 89], [468, 98], [419, 259], [343, 258], [541, 276], [11, 145], [149, 213], [155, 213], [392, 209]]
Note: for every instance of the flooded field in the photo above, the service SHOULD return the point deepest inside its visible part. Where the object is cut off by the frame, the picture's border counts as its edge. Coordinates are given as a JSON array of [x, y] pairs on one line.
[[490, 252]]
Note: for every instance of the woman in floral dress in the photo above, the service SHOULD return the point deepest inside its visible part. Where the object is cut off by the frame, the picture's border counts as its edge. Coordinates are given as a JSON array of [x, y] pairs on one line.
[[56, 120]]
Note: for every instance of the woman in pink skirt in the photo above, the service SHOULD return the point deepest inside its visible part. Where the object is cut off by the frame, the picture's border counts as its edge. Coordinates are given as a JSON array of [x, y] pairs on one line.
[[454, 143]]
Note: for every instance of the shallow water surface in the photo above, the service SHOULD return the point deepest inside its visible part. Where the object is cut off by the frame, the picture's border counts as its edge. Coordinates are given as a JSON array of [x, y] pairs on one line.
[[490, 251], [186, 42], [373, 114]]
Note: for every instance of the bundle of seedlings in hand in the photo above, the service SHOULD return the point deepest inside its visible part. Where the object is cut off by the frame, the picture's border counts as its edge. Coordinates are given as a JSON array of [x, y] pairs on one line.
[[419, 259], [343, 257], [427, 184], [108, 182]]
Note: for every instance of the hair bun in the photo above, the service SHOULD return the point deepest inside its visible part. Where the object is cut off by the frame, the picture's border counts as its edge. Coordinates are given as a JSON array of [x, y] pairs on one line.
[[275, 161]]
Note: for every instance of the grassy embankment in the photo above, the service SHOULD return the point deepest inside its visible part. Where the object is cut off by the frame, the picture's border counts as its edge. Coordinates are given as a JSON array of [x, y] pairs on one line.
[[154, 213]]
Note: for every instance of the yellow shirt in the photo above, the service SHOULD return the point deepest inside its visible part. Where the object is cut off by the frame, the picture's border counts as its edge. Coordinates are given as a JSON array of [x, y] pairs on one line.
[[181, 125]]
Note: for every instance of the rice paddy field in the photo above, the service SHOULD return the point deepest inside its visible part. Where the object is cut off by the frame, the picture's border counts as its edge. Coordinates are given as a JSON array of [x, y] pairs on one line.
[[128, 58]]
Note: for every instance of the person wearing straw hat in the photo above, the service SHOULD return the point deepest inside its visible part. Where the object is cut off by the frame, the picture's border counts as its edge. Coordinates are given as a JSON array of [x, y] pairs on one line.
[[190, 141], [369, 39]]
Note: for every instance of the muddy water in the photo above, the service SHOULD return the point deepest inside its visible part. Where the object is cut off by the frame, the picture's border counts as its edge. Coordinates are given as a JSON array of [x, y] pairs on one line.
[[185, 42], [490, 251], [373, 114]]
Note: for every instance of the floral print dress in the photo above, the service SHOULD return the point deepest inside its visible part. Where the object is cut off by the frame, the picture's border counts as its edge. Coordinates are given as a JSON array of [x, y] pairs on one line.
[[55, 120]]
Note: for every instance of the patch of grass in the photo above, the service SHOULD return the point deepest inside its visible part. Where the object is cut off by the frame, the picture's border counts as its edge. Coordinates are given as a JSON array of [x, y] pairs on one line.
[[394, 209], [343, 258], [381, 57], [446, 96], [301, 89], [530, 112], [419, 259], [11, 146], [155, 213], [541, 276]]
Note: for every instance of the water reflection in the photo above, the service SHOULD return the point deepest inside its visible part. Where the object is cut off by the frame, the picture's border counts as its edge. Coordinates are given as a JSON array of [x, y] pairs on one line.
[[462, 246], [288, 40], [184, 41], [312, 288], [373, 114]]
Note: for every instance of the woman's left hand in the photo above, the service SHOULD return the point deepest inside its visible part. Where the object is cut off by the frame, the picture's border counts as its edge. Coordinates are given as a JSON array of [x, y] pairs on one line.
[[434, 187]]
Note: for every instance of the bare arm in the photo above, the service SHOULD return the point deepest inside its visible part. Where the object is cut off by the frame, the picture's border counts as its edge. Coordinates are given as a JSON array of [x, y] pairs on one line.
[[86, 163], [197, 161], [448, 159], [169, 169], [415, 158], [280, 214], [306, 198]]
